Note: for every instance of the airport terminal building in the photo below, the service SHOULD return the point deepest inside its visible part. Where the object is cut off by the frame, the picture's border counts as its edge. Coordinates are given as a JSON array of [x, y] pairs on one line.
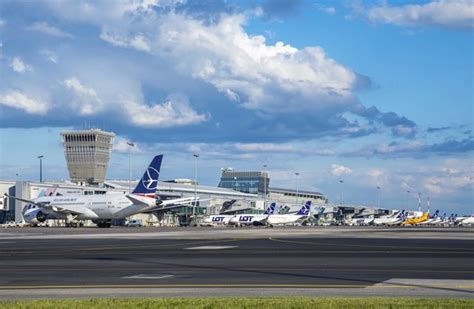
[[87, 154]]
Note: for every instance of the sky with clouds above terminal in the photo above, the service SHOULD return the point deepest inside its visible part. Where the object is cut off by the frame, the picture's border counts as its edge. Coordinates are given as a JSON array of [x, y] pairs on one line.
[[376, 94]]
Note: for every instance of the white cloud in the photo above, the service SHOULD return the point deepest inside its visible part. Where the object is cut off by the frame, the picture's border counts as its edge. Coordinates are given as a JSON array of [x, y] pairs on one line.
[[138, 42], [326, 9], [19, 100], [448, 13], [176, 111], [19, 66], [274, 78], [44, 28], [87, 101], [375, 172], [338, 170], [121, 146]]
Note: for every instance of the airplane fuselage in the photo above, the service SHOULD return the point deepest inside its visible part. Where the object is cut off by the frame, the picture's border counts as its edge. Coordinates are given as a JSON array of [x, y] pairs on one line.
[[217, 220], [89, 207]]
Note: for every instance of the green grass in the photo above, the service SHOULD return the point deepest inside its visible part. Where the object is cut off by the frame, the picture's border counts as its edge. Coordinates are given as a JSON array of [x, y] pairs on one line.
[[246, 302]]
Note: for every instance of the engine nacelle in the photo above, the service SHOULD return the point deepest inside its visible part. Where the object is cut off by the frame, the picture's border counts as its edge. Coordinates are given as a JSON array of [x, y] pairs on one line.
[[35, 216]]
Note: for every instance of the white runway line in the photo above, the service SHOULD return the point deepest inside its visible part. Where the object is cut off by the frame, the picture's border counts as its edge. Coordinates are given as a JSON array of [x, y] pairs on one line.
[[144, 276], [210, 248]]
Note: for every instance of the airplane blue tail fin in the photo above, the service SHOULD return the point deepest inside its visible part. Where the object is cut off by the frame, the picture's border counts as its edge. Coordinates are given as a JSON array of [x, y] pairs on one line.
[[304, 211], [401, 214], [149, 182], [270, 210]]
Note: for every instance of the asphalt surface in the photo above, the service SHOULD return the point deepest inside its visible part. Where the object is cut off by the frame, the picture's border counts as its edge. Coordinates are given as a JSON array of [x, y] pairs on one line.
[[46, 263]]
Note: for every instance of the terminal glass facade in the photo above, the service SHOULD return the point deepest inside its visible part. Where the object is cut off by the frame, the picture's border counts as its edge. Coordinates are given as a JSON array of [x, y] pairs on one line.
[[246, 182]]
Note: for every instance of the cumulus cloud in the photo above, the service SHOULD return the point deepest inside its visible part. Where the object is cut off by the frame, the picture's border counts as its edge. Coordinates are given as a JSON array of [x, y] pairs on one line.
[[338, 170], [279, 91], [45, 28], [275, 78], [19, 66], [121, 146], [86, 100], [399, 125], [18, 100], [445, 13], [176, 111]]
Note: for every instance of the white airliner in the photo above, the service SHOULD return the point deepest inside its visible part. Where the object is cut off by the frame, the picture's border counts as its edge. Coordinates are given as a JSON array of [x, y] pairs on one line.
[[225, 219], [467, 221], [271, 219], [101, 209], [299, 217], [432, 220], [252, 219], [359, 221], [394, 219]]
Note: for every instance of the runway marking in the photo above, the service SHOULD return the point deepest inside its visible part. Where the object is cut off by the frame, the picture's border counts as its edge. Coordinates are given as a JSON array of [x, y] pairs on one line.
[[211, 248], [94, 286], [118, 246], [144, 276]]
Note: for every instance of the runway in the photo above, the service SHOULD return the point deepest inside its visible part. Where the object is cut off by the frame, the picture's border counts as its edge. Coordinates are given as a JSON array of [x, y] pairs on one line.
[[250, 261]]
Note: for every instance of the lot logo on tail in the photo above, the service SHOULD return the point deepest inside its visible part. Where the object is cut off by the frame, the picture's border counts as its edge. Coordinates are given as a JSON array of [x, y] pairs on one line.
[[304, 211], [270, 210], [150, 179], [149, 182]]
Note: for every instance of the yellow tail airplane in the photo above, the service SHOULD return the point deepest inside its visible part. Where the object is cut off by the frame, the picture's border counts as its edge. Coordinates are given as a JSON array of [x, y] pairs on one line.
[[414, 221]]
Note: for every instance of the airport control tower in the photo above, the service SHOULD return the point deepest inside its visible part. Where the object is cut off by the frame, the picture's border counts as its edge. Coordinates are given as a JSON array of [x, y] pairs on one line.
[[87, 155]]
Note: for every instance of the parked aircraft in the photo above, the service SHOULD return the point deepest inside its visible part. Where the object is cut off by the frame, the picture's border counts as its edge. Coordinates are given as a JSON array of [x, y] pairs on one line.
[[299, 217], [101, 209], [393, 219], [433, 219], [415, 221], [225, 219], [271, 219], [252, 219]]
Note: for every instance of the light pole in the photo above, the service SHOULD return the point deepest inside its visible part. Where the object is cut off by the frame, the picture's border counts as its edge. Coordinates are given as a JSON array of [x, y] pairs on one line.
[[235, 183], [419, 201], [297, 197], [130, 145], [41, 167], [264, 187], [196, 156], [378, 197], [341, 182], [408, 196]]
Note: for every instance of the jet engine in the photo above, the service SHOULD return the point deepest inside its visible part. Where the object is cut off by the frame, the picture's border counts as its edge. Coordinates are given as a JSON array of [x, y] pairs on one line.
[[35, 216]]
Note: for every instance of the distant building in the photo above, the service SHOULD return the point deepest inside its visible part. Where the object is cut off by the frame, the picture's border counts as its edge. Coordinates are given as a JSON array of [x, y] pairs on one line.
[[247, 182], [87, 155], [257, 182]]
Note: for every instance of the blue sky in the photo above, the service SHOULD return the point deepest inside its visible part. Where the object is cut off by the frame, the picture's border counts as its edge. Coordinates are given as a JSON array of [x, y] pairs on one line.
[[372, 93]]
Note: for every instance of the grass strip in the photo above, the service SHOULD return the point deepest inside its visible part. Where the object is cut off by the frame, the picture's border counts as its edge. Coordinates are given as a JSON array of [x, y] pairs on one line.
[[245, 302]]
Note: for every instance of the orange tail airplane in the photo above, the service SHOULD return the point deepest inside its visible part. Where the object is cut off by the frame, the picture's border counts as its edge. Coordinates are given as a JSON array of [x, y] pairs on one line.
[[414, 221]]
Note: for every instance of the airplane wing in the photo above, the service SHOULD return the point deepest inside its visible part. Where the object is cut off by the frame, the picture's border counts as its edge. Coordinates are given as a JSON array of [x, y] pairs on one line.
[[185, 200], [77, 210], [173, 203], [141, 200]]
